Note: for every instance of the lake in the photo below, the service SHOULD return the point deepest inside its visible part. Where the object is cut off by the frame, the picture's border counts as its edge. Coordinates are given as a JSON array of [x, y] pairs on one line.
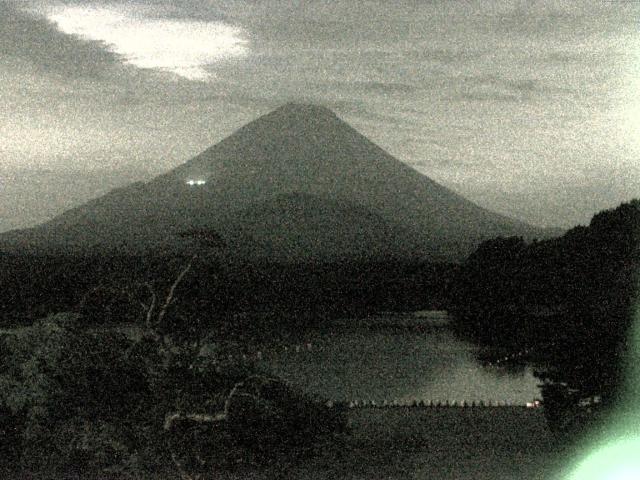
[[402, 357]]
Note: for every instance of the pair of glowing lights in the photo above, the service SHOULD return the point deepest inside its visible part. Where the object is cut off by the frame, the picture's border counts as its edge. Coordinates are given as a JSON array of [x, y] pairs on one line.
[[194, 183]]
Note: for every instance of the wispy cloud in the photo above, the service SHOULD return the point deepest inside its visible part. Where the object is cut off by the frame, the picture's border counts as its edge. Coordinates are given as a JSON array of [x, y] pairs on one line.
[[501, 88], [181, 46]]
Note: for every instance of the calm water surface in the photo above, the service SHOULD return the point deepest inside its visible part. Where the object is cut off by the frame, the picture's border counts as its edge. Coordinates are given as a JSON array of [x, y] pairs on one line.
[[403, 364]]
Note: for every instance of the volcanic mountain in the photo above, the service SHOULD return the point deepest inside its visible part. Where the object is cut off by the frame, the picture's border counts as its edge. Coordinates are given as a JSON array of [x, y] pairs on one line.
[[296, 185]]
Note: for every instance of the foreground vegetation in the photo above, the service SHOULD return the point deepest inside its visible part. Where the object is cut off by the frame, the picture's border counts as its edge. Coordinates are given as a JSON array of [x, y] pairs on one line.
[[75, 401], [566, 304]]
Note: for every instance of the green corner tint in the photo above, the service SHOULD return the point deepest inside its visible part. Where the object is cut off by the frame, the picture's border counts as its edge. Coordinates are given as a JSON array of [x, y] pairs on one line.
[[615, 460], [614, 452]]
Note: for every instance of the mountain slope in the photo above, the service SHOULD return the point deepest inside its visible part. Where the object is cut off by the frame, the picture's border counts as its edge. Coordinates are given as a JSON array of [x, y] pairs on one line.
[[301, 227], [298, 158]]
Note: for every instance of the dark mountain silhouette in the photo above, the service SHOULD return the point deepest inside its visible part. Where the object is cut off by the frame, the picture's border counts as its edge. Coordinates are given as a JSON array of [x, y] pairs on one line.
[[305, 227], [297, 184]]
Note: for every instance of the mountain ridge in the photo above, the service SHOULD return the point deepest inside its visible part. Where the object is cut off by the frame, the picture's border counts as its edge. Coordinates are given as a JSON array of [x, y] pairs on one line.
[[295, 149]]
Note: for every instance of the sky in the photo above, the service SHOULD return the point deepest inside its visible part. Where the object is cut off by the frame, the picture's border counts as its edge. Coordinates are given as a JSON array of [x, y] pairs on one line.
[[530, 109]]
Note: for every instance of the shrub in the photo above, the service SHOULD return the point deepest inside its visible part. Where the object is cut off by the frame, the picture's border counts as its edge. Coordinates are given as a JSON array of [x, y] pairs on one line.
[[76, 400], [69, 394], [264, 423]]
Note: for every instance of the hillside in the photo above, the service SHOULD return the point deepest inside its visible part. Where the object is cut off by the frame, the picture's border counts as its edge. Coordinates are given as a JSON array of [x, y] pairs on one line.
[[297, 184]]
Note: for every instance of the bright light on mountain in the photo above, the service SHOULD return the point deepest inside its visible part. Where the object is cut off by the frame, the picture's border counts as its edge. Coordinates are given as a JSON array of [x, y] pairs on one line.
[[196, 182]]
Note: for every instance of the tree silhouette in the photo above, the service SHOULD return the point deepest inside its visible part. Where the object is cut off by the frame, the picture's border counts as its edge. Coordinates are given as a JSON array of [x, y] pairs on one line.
[[569, 300]]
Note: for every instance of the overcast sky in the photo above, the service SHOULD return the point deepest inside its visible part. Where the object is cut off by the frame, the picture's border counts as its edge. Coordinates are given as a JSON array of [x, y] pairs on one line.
[[528, 108]]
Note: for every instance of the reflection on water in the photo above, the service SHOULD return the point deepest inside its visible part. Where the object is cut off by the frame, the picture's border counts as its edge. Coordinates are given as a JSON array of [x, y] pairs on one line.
[[398, 364]]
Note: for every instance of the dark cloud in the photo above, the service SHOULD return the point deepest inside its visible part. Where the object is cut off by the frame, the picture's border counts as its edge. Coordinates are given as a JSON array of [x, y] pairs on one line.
[[380, 87], [33, 39], [564, 20], [497, 88]]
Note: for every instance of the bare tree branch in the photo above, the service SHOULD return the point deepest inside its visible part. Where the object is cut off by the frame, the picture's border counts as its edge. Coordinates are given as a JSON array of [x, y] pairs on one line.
[[194, 417], [218, 417], [152, 306], [172, 290]]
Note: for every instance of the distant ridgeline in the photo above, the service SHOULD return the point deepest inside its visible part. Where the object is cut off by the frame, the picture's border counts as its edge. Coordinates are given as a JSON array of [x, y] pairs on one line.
[[568, 300], [110, 289]]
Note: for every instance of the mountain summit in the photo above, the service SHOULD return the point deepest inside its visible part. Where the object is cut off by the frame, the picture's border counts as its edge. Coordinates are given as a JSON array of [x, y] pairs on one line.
[[297, 184]]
